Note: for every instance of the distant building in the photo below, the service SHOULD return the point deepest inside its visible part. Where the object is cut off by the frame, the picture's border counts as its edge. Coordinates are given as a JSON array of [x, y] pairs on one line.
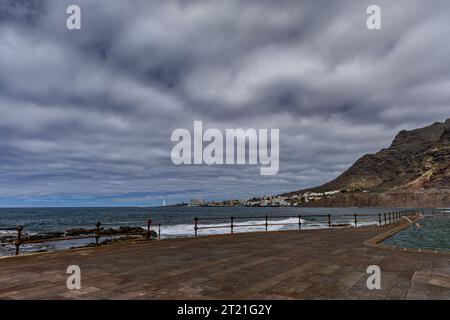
[[196, 202]]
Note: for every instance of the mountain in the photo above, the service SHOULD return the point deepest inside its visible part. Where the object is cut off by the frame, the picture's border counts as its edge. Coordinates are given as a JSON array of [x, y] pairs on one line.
[[417, 160]]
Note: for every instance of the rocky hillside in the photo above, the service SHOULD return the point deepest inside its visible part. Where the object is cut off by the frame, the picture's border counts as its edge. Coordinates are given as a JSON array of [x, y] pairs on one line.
[[416, 160]]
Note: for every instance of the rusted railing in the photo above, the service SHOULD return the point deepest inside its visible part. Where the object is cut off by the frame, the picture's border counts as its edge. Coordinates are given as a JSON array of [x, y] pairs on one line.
[[98, 233], [332, 221], [327, 219]]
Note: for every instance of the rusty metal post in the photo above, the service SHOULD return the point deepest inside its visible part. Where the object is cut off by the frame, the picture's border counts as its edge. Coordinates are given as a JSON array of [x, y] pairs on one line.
[[329, 221], [195, 225], [299, 222], [356, 221], [159, 231], [149, 229], [231, 224], [267, 222], [18, 241], [379, 218], [97, 232]]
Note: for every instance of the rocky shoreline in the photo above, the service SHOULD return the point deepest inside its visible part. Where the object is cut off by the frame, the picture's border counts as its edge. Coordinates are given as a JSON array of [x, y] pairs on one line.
[[127, 232]]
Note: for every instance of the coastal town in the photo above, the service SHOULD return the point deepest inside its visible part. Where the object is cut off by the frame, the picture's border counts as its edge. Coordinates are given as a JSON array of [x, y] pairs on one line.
[[271, 201]]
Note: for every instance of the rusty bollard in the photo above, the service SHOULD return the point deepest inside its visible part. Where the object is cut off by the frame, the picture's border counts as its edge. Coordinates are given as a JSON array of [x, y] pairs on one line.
[[195, 225], [149, 229], [18, 241], [97, 232]]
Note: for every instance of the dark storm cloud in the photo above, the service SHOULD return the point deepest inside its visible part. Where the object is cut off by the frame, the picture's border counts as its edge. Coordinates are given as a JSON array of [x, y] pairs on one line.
[[88, 114]]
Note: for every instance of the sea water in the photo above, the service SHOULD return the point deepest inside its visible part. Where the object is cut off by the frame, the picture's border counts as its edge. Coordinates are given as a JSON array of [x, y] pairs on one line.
[[175, 221], [429, 233]]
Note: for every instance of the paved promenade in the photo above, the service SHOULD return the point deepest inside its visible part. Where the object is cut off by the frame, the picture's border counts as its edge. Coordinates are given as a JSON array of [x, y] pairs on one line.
[[319, 264]]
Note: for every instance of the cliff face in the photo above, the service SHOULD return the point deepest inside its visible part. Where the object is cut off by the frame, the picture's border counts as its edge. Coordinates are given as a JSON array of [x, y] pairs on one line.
[[416, 160], [423, 199]]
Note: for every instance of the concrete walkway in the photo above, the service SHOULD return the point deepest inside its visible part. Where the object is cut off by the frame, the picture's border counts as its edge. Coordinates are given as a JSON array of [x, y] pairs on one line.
[[315, 264]]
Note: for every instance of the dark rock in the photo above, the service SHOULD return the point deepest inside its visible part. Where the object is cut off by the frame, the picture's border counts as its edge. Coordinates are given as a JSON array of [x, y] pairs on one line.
[[79, 232], [44, 236]]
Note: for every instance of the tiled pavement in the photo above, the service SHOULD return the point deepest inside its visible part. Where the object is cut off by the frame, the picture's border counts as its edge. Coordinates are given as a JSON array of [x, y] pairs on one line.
[[316, 264]]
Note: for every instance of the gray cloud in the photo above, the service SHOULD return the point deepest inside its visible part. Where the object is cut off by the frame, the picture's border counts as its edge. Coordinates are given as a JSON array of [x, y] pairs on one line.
[[86, 116]]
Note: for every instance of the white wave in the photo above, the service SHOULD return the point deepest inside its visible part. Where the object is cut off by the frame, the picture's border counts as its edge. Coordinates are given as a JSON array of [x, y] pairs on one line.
[[8, 233], [187, 230]]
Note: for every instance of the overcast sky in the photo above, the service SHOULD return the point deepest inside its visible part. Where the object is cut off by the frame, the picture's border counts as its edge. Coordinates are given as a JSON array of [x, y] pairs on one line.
[[86, 116]]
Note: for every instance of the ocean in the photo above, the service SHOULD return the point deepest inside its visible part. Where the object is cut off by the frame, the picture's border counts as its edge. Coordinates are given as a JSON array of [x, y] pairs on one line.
[[175, 221]]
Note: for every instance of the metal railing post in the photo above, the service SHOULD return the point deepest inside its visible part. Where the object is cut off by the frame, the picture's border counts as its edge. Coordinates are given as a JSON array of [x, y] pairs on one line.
[[390, 220], [195, 225], [231, 224], [149, 229], [18, 241], [385, 220], [159, 231], [97, 232], [379, 218]]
